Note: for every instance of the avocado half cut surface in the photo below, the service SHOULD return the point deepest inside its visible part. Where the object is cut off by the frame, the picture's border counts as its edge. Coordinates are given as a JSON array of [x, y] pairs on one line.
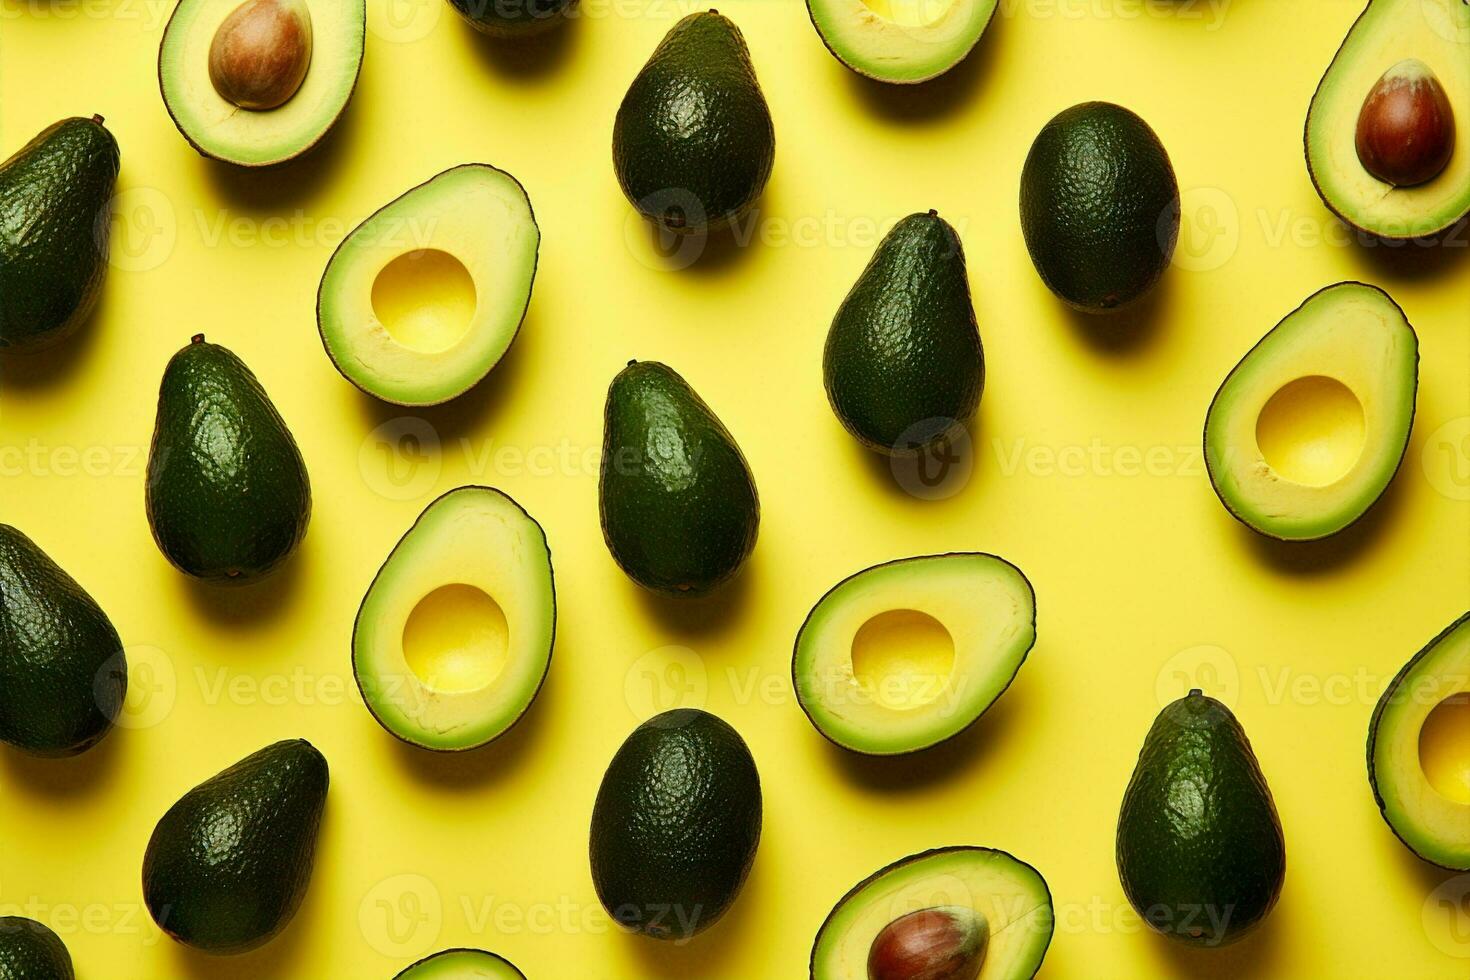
[[904, 655], [1309, 428], [454, 636], [1389, 37], [462, 964], [221, 58], [423, 298], [1005, 897], [900, 41], [1419, 750]]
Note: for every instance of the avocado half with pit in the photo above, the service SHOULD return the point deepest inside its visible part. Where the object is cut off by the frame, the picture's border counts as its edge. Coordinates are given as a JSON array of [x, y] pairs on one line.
[[462, 964], [259, 82], [900, 41], [907, 654], [1419, 750], [423, 298], [970, 912], [454, 637], [1307, 431], [1384, 148]]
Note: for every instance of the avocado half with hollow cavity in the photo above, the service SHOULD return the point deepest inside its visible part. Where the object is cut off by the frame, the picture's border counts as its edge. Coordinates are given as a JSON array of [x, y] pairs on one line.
[[947, 910], [423, 298], [462, 964], [904, 655], [454, 637], [1419, 750], [900, 41], [1383, 147], [1307, 431], [259, 82]]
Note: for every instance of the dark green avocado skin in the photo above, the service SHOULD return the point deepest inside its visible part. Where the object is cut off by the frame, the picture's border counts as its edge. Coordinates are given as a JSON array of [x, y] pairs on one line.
[[1099, 206], [903, 363], [693, 142], [513, 18], [54, 198], [1200, 851], [676, 824], [228, 495], [63, 676], [679, 506], [228, 865], [30, 951]]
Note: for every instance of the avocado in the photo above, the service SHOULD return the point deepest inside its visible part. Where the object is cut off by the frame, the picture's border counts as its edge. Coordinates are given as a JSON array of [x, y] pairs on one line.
[[1099, 206], [675, 825], [228, 497], [55, 195], [228, 865], [903, 366], [260, 82], [423, 298], [679, 507], [30, 951], [510, 19], [454, 637], [63, 676], [1382, 145], [693, 142], [1309, 428], [946, 911], [462, 964], [909, 653], [900, 41], [1200, 852], [1416, 750]]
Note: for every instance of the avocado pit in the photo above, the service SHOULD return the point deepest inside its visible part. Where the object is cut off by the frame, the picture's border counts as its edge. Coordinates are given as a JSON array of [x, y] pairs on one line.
[[1406, 128], [260, 54], [943, 943]]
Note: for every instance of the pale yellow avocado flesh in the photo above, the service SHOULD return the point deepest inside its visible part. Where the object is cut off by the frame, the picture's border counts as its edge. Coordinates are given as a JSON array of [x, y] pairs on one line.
[[454, 636], [906, 654], [1436, 32], [1419, 750], [902, 41], [462, 964], [1309, 428], [423, 298], [1009, 895], [223, 130]]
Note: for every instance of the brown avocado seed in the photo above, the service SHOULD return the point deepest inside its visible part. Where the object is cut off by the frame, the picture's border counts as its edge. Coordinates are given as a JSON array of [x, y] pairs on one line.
[[944, 943], [1406, 129], [260, 53]]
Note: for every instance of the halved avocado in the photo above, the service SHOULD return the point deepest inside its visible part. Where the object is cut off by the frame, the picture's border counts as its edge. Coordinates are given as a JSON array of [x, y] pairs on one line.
[[1006, 897], [425, 296], [900, 41], [1435, 33], [1419, 750], [330, 44], [1309, 428], [462, 964], [904, 655], [454, 636]]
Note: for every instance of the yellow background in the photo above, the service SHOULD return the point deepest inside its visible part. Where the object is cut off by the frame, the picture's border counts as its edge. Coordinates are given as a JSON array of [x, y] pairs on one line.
[[1134, 574]]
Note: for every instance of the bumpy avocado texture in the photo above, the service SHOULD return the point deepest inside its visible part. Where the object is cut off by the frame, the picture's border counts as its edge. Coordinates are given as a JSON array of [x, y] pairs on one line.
[[511, 19], [900, 41], [30, 951], [462, 964]]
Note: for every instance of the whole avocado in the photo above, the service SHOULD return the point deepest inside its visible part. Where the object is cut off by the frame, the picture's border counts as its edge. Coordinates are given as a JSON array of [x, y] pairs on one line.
[[676, 824], [693, 142], [55, 193], [30, 951], [513, 18], [1099, 206], [227, 494]]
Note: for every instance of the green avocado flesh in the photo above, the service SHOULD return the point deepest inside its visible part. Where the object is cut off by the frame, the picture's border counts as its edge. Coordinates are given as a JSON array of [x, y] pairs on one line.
[[1419, 750], [1389, 32], [901, 41], [1309, 428], [1009, 896], [454, 636], [462, 964], [1199, 848], [425, 297], [904, 655], [30, 951], [223, 130]]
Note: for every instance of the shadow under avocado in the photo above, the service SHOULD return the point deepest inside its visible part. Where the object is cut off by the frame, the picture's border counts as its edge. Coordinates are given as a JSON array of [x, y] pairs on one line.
[[1129, 330], [527, 59], [937, 474], [292, 182], [253, 605], [936, 98], [700, 615], [1257, 955], [672, 960], [1415, 260], [66, 779]]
